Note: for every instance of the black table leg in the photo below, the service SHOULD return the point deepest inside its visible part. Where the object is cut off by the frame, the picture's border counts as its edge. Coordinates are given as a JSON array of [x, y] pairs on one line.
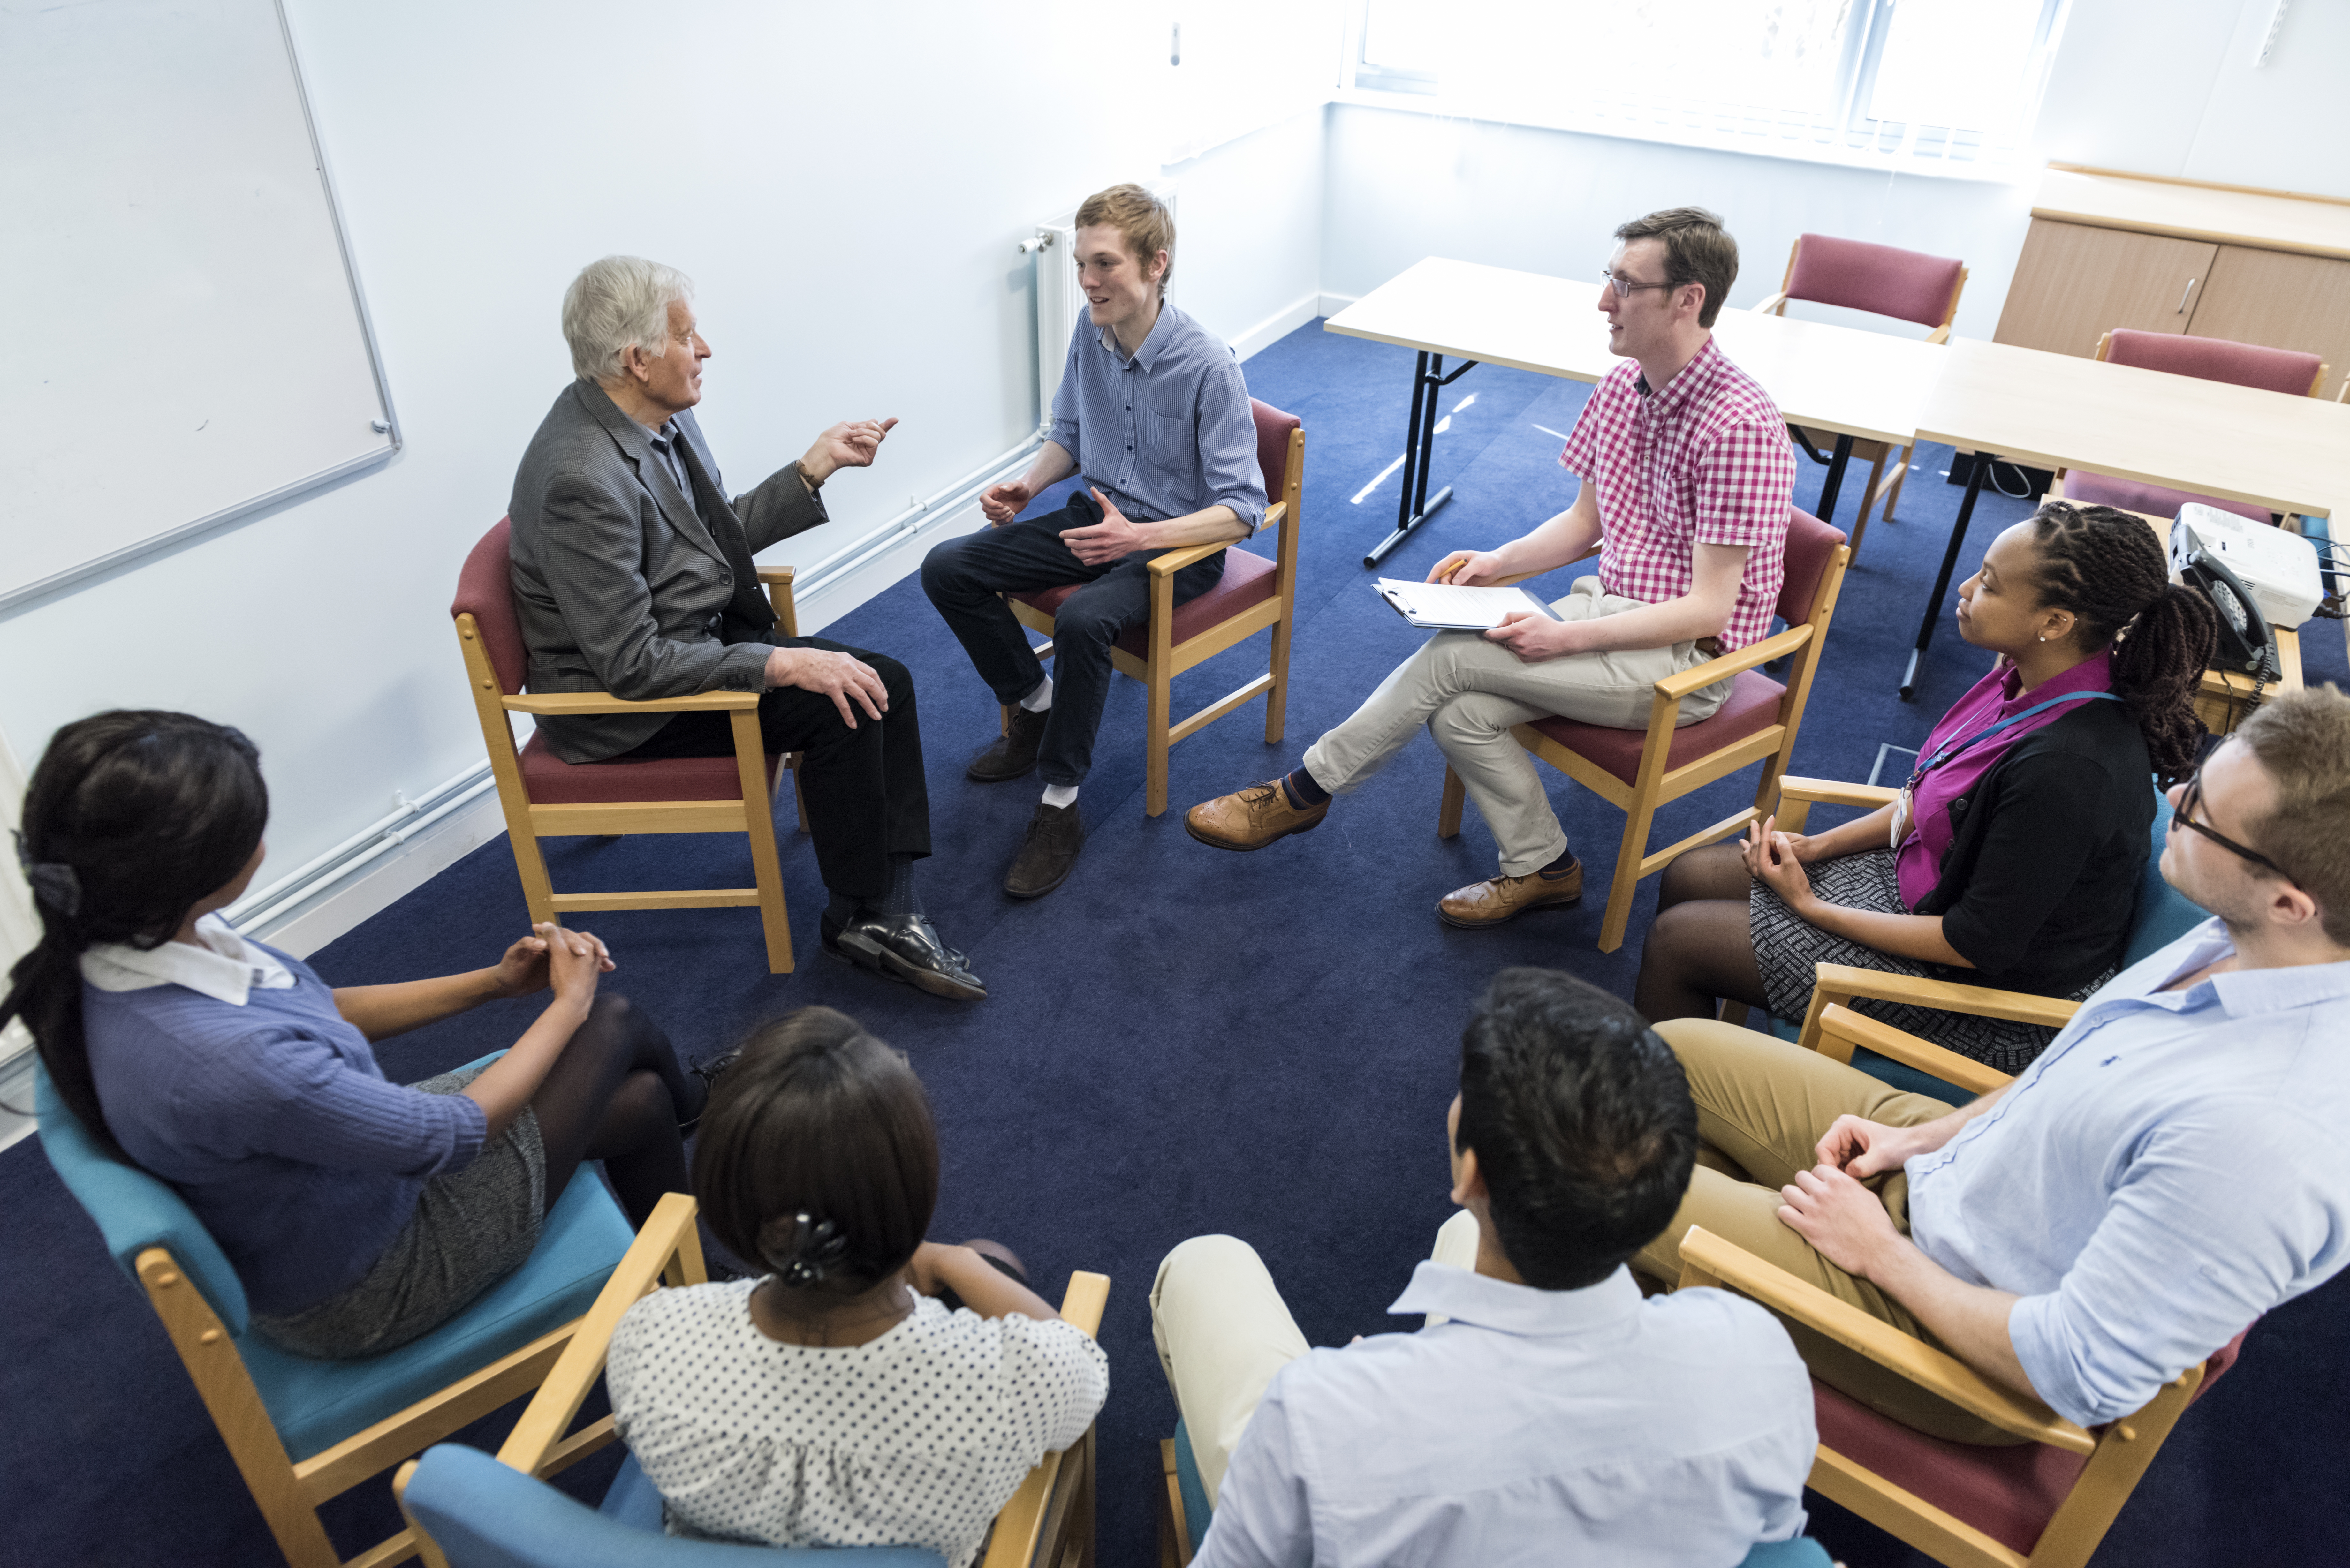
[[1830, 487], [1976, 469], [1415, 507]]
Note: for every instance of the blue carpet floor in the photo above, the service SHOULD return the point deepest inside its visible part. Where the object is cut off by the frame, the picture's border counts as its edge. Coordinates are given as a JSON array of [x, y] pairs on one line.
[[1179, 1041]]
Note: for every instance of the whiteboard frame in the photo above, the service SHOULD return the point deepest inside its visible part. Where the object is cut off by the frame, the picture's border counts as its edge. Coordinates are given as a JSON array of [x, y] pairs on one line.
[[19, 597]]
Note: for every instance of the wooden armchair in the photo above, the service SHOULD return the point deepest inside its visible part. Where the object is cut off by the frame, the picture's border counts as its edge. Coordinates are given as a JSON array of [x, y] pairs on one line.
[[546, 798], [1908, 285], [1639, 771], [1256, 593], [2043, 1503], [1048, 1523]]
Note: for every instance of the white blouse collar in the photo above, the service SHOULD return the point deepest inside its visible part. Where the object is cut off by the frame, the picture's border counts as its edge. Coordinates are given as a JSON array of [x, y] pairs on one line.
[[225, 967]]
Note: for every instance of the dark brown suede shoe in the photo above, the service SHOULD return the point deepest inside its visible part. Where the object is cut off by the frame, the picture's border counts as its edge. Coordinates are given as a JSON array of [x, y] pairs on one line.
[[1505, 898], [1048, 854], [1251, 819], [1012, 754]]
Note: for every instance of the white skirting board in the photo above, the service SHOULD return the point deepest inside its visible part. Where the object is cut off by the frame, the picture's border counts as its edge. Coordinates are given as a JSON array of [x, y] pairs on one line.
[[1277, 326]]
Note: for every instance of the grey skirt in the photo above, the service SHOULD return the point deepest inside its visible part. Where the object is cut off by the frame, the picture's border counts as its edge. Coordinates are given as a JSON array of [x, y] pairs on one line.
[[472, 1228], [1787, 947]]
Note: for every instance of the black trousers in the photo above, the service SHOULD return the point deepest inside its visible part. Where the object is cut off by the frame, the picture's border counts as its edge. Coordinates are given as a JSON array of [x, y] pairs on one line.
[[965, 578], [866, 796]]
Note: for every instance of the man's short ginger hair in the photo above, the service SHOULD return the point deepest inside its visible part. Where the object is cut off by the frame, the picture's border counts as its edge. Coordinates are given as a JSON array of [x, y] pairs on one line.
[[1698, 249], [2302, 741], [1141, 220]]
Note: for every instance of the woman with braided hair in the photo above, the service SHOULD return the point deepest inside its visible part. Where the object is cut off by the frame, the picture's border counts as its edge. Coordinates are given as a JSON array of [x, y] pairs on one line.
[[358, 1213], [865, 1386], [2012, 858]]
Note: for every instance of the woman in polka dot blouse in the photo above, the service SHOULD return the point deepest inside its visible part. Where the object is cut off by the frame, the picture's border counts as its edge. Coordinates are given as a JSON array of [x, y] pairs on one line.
[[869, 1388]]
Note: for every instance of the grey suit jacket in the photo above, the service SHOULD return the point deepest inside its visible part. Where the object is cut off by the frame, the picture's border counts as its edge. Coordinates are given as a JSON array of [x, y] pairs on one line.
[[619, 586]]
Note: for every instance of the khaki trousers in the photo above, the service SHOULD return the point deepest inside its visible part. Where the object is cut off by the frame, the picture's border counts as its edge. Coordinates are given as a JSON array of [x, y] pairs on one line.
[[1470, 693], [1222, 1331], [1763, 1105]]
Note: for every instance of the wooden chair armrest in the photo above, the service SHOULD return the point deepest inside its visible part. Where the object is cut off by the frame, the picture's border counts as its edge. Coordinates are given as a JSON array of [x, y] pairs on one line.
[[1012, 1543], [1175, 560], [1835, 982], [1771, 306], [768, 575], [1940, 334], [669, 1235], [1709, 1260], [1831, 792], [1083, 1302], [1840, 1029], [1698, 677], [604, 703]]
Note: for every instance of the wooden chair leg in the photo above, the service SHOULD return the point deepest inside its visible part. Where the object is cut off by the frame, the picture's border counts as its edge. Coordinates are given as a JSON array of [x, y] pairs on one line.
[[759, 822], [1277, 700], [1627, 880], [530, 863], [1174, 1537], [1867, 494], [792, 761], [1159, 717], [1448, 816], [1900, 473]]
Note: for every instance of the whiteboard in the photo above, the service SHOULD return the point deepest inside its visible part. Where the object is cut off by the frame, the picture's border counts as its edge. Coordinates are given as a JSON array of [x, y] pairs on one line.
[[187, 339]]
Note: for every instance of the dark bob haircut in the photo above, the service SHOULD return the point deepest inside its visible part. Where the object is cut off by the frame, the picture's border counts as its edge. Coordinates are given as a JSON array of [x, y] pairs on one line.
[[818, 1117], [1582, 1121]]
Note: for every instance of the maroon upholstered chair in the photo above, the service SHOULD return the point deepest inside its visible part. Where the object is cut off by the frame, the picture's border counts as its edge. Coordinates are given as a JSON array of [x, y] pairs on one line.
[[546, 798], [2044, 1502], [2287, 370], [1639, 771], [1908, 285], [1256, 593]]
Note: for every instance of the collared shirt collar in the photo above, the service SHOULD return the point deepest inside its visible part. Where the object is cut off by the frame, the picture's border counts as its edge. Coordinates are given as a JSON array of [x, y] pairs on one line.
[[1469, 1297], [2245, 994], [1152, 341], [1675, 393], [225, 967]]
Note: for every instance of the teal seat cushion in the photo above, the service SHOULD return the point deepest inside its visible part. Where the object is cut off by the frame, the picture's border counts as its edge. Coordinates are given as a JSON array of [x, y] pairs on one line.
[[483, 1515], [1800, 1552], [2163, 914], [317, 1403]]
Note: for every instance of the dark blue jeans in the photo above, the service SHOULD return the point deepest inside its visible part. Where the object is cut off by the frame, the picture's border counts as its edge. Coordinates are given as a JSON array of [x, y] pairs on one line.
[[966, 578]]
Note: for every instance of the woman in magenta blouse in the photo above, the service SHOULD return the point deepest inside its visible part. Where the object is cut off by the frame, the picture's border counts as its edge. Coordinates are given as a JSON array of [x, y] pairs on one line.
[[2012, 858]]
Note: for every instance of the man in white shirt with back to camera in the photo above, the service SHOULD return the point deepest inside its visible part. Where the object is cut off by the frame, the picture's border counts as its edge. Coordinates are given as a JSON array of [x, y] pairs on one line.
[[1546, 1414]]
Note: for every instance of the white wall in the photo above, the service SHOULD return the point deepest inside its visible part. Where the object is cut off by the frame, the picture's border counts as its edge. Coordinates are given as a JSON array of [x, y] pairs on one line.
[[2159, 86], [846, 185]]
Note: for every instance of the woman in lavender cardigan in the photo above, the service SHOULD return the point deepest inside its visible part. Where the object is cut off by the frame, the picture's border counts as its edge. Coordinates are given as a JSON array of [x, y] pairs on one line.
[[358, 1213]]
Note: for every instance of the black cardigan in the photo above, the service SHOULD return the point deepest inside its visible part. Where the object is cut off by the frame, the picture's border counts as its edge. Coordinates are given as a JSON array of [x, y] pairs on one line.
[[2040, 881]]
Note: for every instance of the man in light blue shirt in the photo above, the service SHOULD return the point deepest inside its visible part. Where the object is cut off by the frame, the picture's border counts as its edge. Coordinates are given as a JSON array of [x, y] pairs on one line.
[[1153, 410], [2169, 1170], [1546, 1414]]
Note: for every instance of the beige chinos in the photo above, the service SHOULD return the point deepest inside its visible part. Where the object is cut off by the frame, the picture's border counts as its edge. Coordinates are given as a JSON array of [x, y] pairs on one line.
[[1763, 1105], [1470, 693], [1223, 1332]]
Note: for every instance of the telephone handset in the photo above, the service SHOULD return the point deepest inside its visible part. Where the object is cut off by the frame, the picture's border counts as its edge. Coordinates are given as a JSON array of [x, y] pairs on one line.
[[2246, 645]]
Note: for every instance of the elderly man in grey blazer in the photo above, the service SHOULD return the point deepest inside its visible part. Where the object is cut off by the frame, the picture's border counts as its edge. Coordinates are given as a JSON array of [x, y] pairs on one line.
[[632, 573]]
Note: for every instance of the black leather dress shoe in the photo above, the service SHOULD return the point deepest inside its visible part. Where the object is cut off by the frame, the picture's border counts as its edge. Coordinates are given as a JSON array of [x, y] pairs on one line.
[[1048, 854], [904, 948], [1012, 754]]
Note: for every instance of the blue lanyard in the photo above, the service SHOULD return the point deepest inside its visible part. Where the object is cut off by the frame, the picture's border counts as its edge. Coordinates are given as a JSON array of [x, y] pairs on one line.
[[1952, 748]]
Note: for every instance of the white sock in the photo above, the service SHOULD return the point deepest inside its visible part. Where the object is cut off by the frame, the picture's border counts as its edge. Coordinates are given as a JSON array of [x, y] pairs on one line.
[[1058, 796], [1041, 698]]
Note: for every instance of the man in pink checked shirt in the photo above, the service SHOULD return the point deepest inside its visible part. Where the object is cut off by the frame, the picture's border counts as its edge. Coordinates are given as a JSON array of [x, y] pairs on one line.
[[1688, 479]]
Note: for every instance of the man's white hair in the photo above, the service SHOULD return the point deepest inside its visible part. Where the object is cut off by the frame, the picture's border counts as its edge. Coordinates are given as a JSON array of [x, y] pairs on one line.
[[617, 303]]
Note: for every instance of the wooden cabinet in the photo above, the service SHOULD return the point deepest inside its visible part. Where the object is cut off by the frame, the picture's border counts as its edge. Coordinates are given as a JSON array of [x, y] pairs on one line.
[[2110, 250]]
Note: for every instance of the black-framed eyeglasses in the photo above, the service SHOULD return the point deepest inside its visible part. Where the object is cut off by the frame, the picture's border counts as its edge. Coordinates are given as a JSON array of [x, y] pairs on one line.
[[2182, 815], [1626, 288]]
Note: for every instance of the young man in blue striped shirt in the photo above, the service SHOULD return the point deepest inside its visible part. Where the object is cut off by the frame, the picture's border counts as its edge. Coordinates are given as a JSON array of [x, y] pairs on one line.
[[1152, 410]]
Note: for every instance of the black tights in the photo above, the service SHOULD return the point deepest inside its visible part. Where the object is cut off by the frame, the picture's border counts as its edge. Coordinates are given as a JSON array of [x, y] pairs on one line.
[[1701, 949], [617, 1093]]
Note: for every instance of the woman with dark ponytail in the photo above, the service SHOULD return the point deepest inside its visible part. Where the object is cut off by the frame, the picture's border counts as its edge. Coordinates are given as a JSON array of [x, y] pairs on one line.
[[2012, 858], [866, 1387], [358, 1213]]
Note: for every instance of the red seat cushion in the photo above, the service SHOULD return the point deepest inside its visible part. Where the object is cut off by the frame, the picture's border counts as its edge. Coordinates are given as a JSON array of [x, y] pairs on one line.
[[1248, 581], [2008, 1493], [1754, 706], [2130, 495], [551, 781]]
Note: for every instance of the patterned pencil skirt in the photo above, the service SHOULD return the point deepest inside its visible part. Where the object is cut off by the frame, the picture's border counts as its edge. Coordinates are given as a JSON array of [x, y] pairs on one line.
[[1787, 946], [472, 1229]]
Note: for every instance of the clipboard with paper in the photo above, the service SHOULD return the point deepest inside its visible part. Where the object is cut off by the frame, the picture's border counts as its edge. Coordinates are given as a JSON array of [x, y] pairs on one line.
[[1447, 607]]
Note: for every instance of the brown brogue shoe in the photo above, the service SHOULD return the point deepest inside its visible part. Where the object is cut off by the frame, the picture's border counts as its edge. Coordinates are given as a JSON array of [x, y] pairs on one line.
[[1048, 854], [1012, 754], [1251, 819], [1505, 898]]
